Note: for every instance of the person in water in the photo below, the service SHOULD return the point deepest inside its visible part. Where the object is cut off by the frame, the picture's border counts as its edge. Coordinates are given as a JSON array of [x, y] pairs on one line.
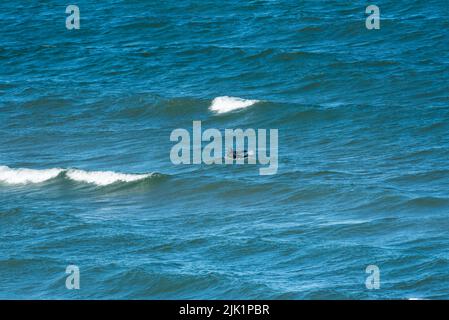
[[236, 155]]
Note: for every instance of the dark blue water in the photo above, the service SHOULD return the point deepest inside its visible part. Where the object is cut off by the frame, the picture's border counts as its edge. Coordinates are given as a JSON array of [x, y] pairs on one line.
[[85, 170]]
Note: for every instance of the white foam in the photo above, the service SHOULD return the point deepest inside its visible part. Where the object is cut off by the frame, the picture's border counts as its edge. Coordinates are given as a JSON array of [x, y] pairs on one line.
[[226, 104], [25, 176], [100, 178], [103, 178]]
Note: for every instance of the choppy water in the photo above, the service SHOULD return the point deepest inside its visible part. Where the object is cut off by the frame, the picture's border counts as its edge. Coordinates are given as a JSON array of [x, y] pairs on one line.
[[86, 178]]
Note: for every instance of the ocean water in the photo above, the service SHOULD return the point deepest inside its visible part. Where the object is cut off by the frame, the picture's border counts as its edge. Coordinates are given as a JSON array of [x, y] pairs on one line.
[[86, 177]]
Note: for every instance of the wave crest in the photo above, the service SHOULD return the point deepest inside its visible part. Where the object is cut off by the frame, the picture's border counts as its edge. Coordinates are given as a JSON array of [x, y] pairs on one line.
[[104, 178], [100, 178], [25, 176], [227, 104]]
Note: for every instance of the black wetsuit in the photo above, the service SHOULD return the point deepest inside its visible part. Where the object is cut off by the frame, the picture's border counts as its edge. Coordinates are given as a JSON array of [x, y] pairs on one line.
[[234, 154]]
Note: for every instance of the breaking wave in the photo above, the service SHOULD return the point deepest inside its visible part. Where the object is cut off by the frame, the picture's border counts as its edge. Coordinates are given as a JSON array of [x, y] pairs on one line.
[[25, 176], [227, 104], [100, 178]]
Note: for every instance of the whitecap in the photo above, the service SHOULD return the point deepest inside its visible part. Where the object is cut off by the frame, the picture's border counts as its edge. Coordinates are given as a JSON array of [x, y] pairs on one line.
[[103, 178], [226, 104], [25, 176]]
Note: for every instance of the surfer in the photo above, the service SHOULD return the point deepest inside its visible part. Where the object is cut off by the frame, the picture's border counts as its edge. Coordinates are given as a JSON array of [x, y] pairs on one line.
[[237, 155]]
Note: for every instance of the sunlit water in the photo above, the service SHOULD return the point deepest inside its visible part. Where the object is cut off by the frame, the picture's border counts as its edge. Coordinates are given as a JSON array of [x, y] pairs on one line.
[[85, 170]]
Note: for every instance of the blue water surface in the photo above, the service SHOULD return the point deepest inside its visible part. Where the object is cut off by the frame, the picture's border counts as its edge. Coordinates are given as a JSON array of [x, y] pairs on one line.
[[86, 177]]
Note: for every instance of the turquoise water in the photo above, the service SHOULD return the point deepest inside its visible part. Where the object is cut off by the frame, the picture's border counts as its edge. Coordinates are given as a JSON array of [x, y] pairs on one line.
[[85, 170]]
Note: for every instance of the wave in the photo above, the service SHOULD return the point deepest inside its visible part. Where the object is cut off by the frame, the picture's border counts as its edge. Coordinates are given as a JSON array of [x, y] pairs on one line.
[[104, 178], [25, 176], [227, 104], [22, 176], [428, 202]]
